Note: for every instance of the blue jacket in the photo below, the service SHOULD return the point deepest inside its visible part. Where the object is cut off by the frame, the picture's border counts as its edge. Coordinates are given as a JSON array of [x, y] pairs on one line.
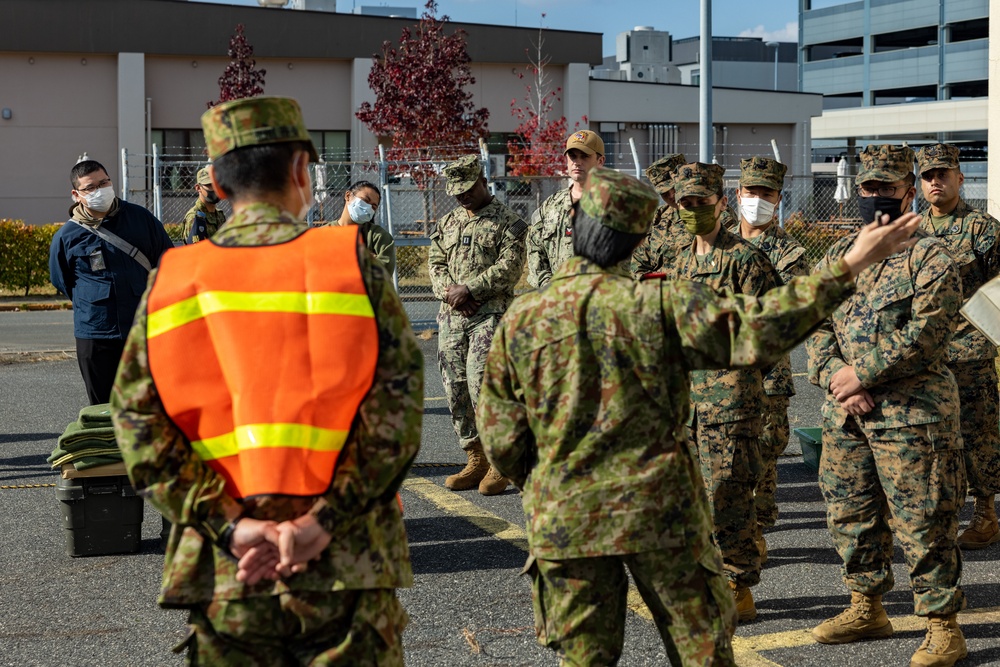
[[105, 299]]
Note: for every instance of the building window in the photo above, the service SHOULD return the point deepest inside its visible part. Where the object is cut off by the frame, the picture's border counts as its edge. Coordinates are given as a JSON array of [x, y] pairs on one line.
[[695, 77]]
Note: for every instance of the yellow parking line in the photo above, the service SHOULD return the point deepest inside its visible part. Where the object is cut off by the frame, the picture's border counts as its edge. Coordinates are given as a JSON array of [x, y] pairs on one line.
[[746, 649], [435, 398]]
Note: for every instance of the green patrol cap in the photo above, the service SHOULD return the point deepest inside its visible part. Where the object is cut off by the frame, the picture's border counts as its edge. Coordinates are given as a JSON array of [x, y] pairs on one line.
[[938, 156], [661, 172], [619, 201], [698, 180], [254, 121], [762, 171], [203, 178], [462, 174], [886, 163]]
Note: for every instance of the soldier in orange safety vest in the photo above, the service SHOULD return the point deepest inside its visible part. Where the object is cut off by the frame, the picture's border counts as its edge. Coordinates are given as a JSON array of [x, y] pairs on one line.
[[269, 404]]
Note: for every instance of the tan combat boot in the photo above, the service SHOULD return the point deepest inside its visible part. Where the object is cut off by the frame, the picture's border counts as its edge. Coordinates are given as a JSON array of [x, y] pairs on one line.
[[746, 610], [864, 619], [943, 646], [761, 543], [472, 473], [983, 529], [493, 484]]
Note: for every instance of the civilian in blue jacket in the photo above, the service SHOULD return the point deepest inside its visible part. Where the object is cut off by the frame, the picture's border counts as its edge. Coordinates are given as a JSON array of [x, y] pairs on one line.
[[100, 259]]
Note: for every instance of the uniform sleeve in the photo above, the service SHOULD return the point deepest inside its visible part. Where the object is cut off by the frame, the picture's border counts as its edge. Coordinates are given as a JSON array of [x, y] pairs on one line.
[[641, 260], [937, 296], [987, 249], [539, 269], [373, 465], [188, 224], [502, 417], [721, 329], [500, 279], [793, 263], [160, 462], [437, 264], [60, 273], [383, 246]]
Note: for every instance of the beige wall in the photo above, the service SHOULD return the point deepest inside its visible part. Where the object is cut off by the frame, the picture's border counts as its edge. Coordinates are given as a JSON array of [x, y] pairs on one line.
[[56, 117], [496, 85]]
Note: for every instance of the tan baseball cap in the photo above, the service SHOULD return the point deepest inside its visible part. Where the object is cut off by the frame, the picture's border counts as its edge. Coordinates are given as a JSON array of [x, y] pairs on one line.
[[586, 141], [203, 178]]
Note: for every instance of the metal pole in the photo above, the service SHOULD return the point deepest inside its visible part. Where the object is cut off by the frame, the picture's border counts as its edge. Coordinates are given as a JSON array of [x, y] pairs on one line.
[[635, 157], [157, 198], [124, 194], [705, 116], [781, 204]]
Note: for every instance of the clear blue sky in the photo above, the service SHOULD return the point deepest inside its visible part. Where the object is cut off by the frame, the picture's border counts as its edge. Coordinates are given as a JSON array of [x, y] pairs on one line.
[[776, 19]]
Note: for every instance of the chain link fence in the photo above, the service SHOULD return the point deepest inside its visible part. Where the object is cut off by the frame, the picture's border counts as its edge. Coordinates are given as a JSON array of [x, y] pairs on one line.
[[414, 199]]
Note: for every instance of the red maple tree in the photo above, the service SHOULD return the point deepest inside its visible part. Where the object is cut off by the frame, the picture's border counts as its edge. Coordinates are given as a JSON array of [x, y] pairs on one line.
[[421, 108], [537, 148], [241, 77]]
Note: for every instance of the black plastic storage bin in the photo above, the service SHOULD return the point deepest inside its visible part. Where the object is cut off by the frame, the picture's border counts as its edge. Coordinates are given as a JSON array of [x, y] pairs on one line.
[[102, 515]]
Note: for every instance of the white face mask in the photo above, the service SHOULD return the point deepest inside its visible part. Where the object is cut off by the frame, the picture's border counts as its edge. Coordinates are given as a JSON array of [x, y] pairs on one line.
[[756, 211], [360, 210], [99, 200]]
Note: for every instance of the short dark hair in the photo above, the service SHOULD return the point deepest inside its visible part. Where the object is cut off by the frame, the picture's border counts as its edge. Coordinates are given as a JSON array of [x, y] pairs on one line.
[[358, 186], [256, 169], [602, 245], [83, 168], [911, 179]]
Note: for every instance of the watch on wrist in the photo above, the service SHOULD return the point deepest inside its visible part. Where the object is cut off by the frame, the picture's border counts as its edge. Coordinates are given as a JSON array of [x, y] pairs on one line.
[[225, 539]]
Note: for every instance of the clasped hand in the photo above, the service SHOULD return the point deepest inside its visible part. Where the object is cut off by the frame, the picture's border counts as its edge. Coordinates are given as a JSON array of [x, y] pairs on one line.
[[460, 298], [271, 550], [846, 388]]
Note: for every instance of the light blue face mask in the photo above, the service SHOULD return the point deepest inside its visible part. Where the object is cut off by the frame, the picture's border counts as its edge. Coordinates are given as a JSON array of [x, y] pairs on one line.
[[360, 210]]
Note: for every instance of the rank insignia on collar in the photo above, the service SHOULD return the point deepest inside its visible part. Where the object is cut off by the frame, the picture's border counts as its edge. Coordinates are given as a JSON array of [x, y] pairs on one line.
[[466, 240]]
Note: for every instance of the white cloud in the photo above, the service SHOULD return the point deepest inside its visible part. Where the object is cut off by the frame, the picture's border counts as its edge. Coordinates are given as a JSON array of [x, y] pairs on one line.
[[790, 33]]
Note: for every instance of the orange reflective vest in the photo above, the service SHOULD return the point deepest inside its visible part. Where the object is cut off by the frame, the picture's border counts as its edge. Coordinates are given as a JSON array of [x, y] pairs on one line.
[[262, 355]]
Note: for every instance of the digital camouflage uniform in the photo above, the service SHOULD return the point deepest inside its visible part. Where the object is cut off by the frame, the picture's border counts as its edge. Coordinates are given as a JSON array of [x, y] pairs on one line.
[[584, 407], [484, 251], [788, 258], [903, 459], [666, 231], [342, 610], [199, 222], [971, 237], [550, 237], [726, 405]]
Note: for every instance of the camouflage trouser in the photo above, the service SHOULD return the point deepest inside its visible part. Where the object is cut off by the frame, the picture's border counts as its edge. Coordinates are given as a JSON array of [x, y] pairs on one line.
[[303, 628], [773, 440], [580, 606], [916, 475], [977, 391], [462, 346], [729, 455]]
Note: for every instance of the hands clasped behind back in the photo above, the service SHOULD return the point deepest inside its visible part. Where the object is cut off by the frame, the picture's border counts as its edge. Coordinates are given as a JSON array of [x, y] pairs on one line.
[[271, 550]]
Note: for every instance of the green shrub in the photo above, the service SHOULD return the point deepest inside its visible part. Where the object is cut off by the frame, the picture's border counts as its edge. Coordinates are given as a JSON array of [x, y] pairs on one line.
[[24, 255]]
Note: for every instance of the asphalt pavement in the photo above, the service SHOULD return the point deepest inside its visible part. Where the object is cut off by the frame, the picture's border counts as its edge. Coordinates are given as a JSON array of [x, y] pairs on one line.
[[469, 606]]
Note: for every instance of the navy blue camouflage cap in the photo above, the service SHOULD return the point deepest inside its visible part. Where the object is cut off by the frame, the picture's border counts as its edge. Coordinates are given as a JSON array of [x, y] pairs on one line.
[[885, 163], [462, 174], [619, 201]]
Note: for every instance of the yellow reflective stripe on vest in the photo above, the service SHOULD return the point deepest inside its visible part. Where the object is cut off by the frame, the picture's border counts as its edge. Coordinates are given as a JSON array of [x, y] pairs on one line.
[[207, 303], [257, 436]]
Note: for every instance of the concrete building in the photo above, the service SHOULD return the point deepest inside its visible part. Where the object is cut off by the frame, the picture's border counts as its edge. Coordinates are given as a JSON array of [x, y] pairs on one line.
[[739, 62], [897, 70], [127, 74]]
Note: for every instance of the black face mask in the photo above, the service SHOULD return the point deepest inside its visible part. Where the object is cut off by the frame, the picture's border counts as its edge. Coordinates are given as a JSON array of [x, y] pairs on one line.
[[211, 197], [869, 206]]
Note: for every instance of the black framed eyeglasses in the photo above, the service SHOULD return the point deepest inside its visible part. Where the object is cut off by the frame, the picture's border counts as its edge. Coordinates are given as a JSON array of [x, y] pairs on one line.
[[881, 191], [92, 188]]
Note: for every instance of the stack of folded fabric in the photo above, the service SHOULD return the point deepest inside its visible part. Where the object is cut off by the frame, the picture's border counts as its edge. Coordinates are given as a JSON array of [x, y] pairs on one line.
[[89, 441]]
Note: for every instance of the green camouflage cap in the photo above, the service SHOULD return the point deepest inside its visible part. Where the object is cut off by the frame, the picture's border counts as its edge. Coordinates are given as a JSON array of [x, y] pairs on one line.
[[698, 180], [661, 172], [203, 178], [462, 174], [938, 156], [762, 171], [254, 121], [619, 201], [886, 163]]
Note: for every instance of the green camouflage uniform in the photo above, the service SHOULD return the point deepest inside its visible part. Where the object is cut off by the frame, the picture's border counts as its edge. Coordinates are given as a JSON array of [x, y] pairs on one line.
[[972, 239], [904, 457], [550, 237], [584, 406], [485, 252], [211, 220], [348, 591], [726, 405], [666, 232], [788, 258]]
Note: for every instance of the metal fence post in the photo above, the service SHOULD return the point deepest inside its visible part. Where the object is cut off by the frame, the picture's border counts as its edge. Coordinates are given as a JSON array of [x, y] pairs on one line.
[[124, 193], [157, 195]]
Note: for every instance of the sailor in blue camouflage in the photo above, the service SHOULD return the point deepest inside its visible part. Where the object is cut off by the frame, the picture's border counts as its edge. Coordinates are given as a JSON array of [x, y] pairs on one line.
[[758, 198], [971, 236], [892, 461]]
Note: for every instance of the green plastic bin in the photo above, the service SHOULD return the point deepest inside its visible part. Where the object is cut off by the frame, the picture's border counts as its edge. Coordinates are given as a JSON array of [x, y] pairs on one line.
[[811, 440]]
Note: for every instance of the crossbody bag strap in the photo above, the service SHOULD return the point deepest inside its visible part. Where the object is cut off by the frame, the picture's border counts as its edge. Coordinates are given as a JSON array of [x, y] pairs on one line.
[[119, 243]]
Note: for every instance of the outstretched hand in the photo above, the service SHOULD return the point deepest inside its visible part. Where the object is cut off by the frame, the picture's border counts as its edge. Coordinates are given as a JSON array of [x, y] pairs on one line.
[[879, 240]]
